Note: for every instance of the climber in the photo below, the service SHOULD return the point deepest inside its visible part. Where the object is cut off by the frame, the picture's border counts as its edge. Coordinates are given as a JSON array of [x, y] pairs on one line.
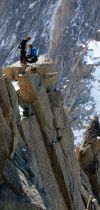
[[22, 47], [32, 54]]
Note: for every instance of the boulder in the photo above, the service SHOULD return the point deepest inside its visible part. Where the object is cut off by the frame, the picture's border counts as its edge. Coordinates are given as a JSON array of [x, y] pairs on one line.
[[46, 70], [45, 67], [50, 79], [27, 91], [13, 71], [89, 155]]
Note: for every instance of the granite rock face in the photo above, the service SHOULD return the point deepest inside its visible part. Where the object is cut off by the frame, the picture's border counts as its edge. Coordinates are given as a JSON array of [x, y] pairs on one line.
[[59, 28], [41, 170], [38, 165]]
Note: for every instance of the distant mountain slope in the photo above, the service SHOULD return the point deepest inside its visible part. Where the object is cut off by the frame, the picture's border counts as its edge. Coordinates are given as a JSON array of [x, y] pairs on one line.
[[20, 18], [56, 25], [89, 101], [81, 18]]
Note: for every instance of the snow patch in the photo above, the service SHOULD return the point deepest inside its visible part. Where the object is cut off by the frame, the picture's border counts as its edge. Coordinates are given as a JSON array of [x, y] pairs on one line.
[[16, 85], [53, 18], [32, 5], [24, 149], [21, 111], [95, 90], [18, 23], [2, 43], [78, 134], [93, 54]]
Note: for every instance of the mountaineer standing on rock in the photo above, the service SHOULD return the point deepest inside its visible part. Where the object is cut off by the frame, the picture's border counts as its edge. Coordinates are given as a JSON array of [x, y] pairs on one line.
[[22, 47]]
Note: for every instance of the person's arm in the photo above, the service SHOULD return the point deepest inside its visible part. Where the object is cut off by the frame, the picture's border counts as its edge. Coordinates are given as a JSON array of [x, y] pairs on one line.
[[20, 45], [37, 52]]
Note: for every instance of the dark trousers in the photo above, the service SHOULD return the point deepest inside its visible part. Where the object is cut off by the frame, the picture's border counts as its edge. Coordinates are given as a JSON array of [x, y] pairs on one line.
[[23, 58], [32, 60]]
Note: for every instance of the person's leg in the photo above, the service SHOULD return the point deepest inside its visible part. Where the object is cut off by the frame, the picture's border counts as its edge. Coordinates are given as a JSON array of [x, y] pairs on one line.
[[21, 56], [24, 57], [33, 60]]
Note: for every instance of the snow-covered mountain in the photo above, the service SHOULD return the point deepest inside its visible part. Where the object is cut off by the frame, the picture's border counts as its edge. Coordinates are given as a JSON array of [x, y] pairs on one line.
[[79, 25], [21, 18], [57, 26]]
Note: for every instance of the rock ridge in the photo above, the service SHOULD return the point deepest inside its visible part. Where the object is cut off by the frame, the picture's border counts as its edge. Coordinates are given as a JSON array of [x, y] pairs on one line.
[[38, 165]]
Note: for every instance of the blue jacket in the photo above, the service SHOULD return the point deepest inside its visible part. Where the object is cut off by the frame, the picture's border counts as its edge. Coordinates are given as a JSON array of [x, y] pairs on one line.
[[33, 52]]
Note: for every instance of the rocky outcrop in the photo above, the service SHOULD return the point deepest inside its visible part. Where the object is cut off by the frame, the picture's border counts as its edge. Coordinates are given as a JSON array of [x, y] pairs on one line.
[[38, 165], [98, 35], [58, 28], [89, 155]]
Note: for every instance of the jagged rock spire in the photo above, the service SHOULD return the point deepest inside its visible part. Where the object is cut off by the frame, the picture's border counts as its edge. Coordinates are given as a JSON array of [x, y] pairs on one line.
[[92, 131]]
